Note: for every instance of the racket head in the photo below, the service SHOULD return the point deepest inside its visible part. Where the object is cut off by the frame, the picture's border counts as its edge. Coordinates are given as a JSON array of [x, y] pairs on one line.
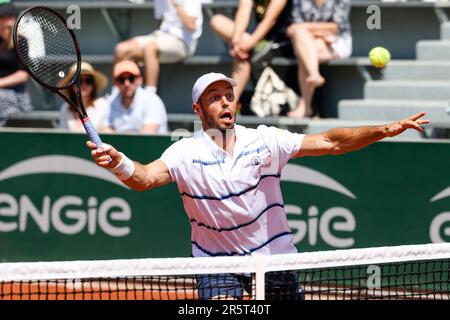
[[50, 53], [47, 48]]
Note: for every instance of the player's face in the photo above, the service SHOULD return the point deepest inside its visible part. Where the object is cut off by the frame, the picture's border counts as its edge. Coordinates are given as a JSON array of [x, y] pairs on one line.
[[218, 106]]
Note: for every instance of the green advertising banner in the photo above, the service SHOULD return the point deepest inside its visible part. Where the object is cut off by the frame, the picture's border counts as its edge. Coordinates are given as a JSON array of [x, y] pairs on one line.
[[56, 204]]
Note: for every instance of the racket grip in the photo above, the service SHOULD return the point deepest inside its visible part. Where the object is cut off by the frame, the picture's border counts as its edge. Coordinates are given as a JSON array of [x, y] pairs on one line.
[[91, 132]]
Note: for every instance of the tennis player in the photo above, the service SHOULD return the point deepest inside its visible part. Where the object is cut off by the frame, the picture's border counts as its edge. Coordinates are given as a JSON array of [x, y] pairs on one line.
[[229, 179]]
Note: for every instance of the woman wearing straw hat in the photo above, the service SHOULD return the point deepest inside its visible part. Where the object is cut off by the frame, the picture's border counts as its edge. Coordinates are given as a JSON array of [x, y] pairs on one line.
[[92, 82]]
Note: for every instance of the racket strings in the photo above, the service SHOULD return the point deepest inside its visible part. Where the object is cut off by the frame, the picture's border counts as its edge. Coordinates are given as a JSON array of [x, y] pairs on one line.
[[52, 64], [49, 68], [50, 51]]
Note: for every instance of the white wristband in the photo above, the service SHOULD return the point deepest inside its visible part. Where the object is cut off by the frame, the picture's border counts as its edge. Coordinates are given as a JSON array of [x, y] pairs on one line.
[[125, 169]]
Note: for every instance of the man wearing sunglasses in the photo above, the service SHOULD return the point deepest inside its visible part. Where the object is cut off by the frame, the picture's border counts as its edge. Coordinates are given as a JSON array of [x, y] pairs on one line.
[[134, 109]]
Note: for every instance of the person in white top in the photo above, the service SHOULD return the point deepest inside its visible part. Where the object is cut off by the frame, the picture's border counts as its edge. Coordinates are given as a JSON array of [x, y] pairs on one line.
[[133, 108], [229, 179], [92, 83], [174, 40]]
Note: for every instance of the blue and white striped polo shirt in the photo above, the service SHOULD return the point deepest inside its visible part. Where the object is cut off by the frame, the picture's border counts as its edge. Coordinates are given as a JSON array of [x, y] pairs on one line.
[[234, 202]]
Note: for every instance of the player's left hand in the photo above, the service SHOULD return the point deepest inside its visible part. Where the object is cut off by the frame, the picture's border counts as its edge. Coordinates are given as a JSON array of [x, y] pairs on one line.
[[414, 122]]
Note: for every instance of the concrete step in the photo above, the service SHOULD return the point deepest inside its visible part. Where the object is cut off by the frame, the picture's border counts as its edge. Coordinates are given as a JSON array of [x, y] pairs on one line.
[[407, 90], [391, 110], [445, 31], [433, 50], [417, 70]]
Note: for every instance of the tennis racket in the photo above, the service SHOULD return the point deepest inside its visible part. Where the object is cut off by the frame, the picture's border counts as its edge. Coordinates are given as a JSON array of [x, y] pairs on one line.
[[50, 53]]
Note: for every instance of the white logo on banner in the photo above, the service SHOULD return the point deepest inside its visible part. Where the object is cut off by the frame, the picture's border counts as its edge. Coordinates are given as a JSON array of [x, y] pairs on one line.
[[56, 212], [437, 227], [325, 225]]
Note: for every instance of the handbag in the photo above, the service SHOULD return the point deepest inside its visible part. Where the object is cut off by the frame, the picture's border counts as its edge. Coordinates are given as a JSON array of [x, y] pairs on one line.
[[272, 97]]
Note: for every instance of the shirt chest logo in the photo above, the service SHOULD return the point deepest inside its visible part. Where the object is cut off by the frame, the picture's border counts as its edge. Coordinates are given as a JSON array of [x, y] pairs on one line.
[[256, 161]]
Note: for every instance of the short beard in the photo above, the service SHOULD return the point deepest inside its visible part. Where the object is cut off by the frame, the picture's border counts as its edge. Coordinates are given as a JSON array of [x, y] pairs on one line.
[[213, 125]]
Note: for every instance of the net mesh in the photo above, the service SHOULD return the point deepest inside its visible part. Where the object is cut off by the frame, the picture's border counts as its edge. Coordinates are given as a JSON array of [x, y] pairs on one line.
[[45, 45], [405, 272]]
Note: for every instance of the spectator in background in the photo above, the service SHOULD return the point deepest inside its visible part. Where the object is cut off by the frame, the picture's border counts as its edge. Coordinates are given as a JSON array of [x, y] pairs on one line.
[[320, 32], [14, 97], [92, 83], [134, 108], [175, 40], [273, 19]]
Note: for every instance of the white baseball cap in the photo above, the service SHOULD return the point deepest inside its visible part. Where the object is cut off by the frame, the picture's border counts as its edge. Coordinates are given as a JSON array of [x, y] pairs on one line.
[[207, 79]]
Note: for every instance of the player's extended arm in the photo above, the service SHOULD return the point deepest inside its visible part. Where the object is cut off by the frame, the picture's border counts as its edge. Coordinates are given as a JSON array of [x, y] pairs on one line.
[[342, 140], [143, 177]]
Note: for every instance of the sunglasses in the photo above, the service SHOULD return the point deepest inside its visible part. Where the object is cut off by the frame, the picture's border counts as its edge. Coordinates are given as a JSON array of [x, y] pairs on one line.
[[87, 80], [122, 80]]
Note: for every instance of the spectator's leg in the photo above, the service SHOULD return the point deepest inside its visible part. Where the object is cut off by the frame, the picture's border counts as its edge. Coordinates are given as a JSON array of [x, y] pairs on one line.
[[151, 61], [305, 49], [129, 49], [310, 51], [324, 51], [304, 108], [308, 65], [222, 26], [242, 70]]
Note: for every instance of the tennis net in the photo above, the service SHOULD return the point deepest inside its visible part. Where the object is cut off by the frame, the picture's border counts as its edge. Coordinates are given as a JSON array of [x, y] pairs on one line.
[[403, 272]]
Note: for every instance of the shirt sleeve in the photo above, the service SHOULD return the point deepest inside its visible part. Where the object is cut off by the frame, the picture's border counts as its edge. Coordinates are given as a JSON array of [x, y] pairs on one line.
[[282, 144], [173, 158]]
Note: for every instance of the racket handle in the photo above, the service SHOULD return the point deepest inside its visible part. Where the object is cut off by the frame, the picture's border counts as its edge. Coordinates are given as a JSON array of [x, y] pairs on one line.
[[91, 132]]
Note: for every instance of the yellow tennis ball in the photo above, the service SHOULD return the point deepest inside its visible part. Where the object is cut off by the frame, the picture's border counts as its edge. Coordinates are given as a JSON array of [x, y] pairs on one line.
[[379, 57]]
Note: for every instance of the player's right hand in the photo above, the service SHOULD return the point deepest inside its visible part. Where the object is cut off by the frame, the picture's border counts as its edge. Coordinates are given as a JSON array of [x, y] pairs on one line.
[[105, 156]]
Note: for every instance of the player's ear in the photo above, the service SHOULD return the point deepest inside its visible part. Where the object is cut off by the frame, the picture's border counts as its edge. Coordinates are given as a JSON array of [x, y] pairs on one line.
[[196, 108]]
